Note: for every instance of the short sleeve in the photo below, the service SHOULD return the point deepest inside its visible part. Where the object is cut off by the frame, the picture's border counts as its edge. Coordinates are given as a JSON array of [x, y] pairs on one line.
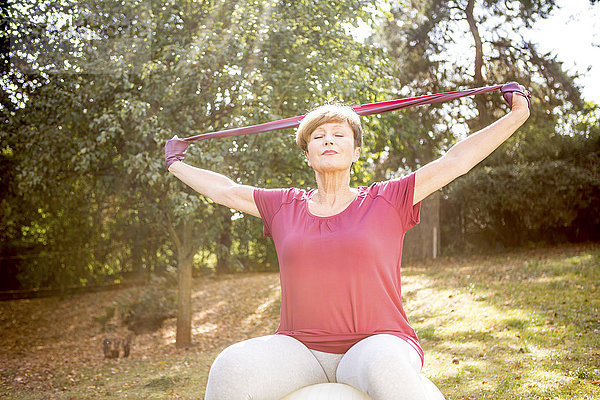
[[400, 194], [268, 202]]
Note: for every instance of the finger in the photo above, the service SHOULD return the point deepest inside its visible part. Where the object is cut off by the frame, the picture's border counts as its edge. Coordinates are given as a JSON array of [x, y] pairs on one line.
[[525, 91]]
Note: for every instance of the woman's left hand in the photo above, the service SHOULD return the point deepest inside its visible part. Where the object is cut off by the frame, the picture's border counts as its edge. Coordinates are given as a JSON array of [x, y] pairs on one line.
[[517, 97]]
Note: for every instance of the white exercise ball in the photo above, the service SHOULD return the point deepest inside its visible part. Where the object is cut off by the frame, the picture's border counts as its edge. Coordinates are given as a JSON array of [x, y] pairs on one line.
[[327, 391]]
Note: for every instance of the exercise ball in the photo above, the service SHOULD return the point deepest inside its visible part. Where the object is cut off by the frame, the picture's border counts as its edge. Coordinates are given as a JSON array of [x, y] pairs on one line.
[[327, 391]]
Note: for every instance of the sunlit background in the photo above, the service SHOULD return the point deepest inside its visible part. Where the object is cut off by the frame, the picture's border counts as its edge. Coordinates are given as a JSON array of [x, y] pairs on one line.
[[99, 241]]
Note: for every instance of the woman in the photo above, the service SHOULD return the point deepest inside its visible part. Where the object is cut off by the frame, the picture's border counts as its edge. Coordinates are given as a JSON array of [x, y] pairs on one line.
[[339, 251]]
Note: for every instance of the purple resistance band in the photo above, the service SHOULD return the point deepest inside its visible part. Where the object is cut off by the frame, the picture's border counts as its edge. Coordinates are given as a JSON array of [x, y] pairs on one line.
[[369, 109]]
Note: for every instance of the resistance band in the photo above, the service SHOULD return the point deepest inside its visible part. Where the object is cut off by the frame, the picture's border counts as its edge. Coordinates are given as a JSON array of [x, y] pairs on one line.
[[369, 109]]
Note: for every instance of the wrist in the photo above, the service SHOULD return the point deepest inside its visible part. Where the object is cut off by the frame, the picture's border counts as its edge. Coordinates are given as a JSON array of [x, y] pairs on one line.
[[174, 166], [522, 112]]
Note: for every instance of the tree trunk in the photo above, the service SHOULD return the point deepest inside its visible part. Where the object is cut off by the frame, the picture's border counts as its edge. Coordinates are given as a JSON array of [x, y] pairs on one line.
[[224, 242], [185, 256], [484, 116], [184, 296], [182, 237]]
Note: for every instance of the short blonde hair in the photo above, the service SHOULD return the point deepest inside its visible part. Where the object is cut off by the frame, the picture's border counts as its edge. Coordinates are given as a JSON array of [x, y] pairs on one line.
[[325, 114]]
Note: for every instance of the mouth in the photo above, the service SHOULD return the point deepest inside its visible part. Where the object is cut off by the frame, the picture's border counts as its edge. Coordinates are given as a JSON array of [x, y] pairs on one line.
[[327, 152]]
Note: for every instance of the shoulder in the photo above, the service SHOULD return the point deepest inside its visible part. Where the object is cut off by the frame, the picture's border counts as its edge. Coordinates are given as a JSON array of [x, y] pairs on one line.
[[391, 186], [285, 195]]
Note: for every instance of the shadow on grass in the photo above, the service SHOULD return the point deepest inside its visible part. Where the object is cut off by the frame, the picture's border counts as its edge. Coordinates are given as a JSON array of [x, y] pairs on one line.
[[518, 326]]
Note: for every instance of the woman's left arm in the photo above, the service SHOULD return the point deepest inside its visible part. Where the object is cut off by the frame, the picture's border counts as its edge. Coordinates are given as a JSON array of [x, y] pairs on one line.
[[467, 153]]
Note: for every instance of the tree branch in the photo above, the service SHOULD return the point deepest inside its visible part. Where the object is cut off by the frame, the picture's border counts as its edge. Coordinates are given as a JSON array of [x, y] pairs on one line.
[[484, 117], [478, 43]]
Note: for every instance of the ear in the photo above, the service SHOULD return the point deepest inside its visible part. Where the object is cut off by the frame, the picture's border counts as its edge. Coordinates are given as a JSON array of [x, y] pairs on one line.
[[306, 156], [356, 154]]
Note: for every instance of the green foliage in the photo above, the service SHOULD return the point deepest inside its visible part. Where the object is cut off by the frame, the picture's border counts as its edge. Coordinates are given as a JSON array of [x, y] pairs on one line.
[[585, 372], [542, 184], [104, 320], [437, 46], [545, 190], [85, 193], [144, 310], [85, 143]]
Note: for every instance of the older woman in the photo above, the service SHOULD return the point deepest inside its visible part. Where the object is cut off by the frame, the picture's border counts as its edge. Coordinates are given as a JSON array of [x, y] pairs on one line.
[[339, 251]]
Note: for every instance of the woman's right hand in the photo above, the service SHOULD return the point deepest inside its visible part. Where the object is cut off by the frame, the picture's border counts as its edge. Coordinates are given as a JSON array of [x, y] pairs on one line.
[[175, 149]]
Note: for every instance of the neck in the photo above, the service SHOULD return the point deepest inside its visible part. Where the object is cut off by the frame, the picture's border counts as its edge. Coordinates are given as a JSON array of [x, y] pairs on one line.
[[333, 187]]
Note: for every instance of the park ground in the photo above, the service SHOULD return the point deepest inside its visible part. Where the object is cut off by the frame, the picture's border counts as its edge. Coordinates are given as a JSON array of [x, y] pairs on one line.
[[515, 325]]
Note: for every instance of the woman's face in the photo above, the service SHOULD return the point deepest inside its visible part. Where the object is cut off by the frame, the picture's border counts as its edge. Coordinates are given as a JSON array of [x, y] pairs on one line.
[[331, 148]]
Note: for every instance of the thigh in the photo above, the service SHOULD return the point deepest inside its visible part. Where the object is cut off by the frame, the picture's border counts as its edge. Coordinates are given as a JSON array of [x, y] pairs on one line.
[[385, 367], [264, 368]]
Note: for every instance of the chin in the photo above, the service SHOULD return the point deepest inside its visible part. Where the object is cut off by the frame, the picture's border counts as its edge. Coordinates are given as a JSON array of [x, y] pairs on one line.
[[328, 168]]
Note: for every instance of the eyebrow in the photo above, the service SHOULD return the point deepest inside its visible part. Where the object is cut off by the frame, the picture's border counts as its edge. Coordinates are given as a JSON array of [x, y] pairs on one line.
[[337, 125]]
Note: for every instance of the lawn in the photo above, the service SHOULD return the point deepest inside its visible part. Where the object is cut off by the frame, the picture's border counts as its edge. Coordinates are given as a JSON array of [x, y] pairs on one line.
[[517, 325]]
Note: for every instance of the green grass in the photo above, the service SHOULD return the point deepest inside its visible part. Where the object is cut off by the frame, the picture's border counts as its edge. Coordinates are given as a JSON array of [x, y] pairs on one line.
[[523, 325]]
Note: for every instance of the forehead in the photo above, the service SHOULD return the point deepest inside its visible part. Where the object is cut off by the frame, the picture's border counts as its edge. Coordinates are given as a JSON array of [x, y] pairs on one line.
[[333, 125]]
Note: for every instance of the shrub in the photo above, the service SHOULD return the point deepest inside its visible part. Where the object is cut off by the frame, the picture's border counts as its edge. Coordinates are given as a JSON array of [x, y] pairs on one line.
[[144, 310], [514, 204]]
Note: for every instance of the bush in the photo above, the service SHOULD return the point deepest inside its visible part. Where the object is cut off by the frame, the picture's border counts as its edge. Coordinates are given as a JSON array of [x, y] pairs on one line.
[[550, 201], [144, 310]]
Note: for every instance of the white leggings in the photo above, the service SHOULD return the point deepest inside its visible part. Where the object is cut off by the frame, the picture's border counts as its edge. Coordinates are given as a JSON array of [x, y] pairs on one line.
[[384, 367]]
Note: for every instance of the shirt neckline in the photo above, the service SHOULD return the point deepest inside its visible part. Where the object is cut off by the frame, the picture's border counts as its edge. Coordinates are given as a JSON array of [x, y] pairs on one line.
[[309, 194]]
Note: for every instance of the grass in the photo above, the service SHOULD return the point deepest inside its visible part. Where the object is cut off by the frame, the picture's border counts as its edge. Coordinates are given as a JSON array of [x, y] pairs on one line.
[[522, 325]]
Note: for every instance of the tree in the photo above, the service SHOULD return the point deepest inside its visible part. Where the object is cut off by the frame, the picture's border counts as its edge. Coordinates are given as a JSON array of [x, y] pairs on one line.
[[545, 192], [196, 68], [252, 62], [442, 46]]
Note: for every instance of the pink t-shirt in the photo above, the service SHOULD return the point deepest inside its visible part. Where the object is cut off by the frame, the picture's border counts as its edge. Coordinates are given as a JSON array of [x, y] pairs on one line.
[[340, 275]]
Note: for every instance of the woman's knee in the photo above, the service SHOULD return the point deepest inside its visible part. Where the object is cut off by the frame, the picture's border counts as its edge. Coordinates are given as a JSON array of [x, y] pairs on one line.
[[266, 367], [229, 375], [382, 350], [383, 367]]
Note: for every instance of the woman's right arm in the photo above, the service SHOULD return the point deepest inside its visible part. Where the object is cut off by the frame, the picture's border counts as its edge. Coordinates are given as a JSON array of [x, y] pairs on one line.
[[217, 187]]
